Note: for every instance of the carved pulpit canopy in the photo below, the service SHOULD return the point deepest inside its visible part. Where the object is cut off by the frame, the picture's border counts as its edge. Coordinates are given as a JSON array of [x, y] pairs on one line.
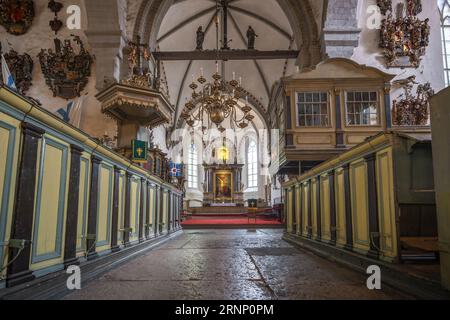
[[146, 107], [136, 100]]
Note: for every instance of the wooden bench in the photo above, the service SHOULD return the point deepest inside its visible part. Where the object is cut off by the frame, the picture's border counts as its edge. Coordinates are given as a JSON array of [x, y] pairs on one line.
[[428, 244]]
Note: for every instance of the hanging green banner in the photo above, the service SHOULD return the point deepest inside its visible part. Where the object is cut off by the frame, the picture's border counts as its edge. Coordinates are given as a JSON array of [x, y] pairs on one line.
[[139, 151]]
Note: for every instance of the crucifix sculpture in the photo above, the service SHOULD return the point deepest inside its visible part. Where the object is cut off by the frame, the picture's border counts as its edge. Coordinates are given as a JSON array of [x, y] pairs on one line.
[[138, 50]]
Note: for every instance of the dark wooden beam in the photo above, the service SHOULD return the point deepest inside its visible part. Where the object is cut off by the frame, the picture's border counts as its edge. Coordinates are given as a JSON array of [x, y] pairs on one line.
[[225, 55]]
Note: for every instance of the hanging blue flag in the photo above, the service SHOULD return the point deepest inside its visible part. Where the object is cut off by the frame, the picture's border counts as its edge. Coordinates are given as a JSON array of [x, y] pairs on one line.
[[65, 113], [176, 169], [8, 79]]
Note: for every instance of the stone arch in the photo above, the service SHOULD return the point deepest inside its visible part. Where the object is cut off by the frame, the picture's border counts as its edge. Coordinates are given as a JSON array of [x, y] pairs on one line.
[[299, 14]]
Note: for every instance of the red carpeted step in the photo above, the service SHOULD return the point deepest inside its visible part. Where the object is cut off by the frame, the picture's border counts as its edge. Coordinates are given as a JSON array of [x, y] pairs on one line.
[[229, 221]]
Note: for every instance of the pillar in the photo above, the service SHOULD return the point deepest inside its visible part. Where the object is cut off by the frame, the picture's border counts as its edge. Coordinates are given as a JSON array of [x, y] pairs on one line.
[[341, 32], [91, 237], [301, 213], [309, 210], [318, 210], [169, 211], [294, 209], [22, 226], [115, 211], [348, 209], [147, 211], [70, 243], [374, 228], [387, 107], [333, 233], [339, 132], [143, 185], [161, 208], [157, 214], [127, 213]]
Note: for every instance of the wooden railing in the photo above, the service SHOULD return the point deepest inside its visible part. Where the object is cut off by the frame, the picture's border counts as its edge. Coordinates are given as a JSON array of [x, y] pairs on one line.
[[65, 198], [352, 202]]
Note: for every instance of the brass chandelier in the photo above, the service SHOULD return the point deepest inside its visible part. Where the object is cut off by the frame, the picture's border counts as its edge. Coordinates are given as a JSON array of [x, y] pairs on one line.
[[213, 102], [216, 101]]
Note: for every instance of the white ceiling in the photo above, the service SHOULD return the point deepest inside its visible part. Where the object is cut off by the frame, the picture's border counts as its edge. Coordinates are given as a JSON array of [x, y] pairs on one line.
[[178, 33]]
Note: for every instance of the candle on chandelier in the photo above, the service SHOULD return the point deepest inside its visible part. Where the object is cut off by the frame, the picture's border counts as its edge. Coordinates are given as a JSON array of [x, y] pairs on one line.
[[217, 67], [201, 71], [234, 75]]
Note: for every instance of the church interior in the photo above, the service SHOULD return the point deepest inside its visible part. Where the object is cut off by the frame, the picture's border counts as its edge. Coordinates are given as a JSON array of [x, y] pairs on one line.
[[171, 140]]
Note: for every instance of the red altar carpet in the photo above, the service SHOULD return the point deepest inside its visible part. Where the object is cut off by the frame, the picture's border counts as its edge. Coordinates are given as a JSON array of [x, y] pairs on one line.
[[224, 221]]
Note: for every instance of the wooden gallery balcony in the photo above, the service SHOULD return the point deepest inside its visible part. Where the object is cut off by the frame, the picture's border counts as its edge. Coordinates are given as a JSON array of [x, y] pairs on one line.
[[328, 110]]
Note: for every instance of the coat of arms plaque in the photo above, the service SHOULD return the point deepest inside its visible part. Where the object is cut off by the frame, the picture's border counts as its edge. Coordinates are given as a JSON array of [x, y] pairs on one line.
[[16, 15], [66, 71]]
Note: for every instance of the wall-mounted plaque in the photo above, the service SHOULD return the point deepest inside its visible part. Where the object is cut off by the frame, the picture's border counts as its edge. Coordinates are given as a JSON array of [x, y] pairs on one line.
[[16, 15], [66, 71], [21, 67], [140, 151], [404, 39]]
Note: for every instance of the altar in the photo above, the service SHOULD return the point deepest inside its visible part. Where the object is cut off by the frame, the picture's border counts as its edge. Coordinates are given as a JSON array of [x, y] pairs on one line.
[[223, 185]]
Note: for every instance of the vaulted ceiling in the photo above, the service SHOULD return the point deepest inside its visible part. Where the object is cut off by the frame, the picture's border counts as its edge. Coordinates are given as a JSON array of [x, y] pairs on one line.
[[178, 33]]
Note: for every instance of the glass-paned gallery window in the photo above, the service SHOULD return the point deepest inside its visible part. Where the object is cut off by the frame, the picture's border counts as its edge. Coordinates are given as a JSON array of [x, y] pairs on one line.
[[312, 109], [444, 9], [193, 167], [362, 108], [252, 165]]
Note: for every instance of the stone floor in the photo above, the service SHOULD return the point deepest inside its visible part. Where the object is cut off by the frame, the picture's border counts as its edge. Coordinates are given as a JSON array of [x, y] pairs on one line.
[[231, 264]]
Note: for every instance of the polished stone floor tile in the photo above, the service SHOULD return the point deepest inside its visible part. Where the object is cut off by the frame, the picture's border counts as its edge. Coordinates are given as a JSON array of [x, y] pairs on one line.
[[230, 265]]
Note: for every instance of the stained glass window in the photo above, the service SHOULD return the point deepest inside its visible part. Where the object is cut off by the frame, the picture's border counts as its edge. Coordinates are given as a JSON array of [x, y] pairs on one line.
[[444, 9], [193, 167], [252, 165]]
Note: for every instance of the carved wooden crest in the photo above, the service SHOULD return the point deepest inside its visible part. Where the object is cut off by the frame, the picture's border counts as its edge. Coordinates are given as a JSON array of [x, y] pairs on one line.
[[66, 71], [21, 68], [404, 39], [385, 6], [412, 110], [16, 15]]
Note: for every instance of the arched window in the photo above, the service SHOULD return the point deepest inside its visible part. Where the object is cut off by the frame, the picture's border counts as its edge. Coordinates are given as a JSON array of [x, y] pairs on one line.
[[444, 9], [252, 165], [192, 167]]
